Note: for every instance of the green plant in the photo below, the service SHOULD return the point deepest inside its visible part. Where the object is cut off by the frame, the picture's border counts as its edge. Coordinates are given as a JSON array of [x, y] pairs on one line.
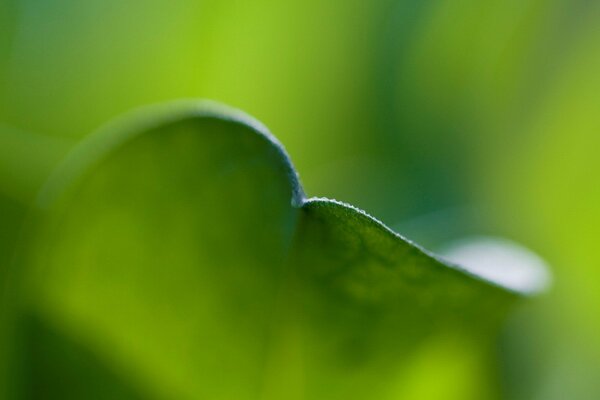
[[175, 255]]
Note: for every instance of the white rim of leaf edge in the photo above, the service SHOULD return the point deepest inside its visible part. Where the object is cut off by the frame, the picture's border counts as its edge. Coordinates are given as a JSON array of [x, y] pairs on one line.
[[500, 260]]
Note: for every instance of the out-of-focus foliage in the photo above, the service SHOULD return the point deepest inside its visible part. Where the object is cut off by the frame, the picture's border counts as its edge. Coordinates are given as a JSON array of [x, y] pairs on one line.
[[450, 117], [178, 258], [25, 162], [553, 175]]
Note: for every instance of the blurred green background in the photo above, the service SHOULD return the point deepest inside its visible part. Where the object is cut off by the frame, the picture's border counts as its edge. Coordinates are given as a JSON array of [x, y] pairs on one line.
[[442, 118]]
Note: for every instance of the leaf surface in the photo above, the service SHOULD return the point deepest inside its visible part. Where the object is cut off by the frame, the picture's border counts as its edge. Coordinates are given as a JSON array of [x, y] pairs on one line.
[[178, 248]]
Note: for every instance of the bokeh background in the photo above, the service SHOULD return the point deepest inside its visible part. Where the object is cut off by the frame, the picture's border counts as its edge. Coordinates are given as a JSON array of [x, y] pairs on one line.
[[443, 118]]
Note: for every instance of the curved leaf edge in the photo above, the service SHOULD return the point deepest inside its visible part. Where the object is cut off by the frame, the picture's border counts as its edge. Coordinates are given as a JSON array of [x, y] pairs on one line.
[[133, 123], [533, 287], [136, 122]]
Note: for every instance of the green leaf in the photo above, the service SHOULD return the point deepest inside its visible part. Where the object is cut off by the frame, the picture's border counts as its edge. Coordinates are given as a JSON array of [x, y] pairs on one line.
[[177, 247]]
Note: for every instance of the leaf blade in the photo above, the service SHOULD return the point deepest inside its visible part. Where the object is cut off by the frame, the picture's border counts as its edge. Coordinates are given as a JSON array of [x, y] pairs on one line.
[[182, 246]]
